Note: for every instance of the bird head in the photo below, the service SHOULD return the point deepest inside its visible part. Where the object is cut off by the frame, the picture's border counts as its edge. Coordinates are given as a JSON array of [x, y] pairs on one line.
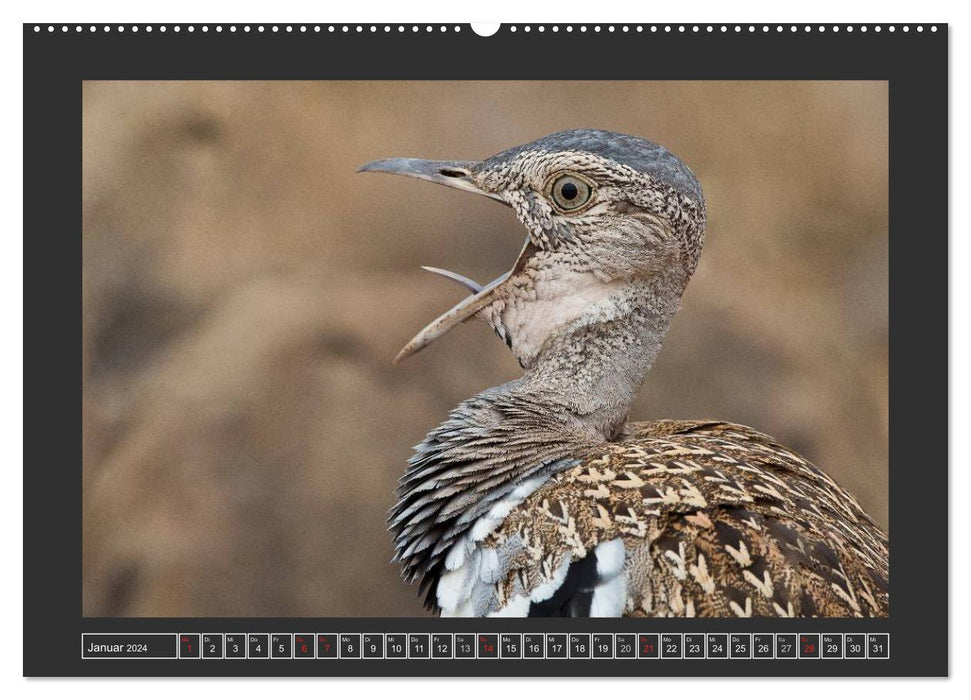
[[602, 211]]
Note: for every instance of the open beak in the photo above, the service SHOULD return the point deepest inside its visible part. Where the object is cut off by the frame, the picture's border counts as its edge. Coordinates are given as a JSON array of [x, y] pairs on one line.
[[455, 174]]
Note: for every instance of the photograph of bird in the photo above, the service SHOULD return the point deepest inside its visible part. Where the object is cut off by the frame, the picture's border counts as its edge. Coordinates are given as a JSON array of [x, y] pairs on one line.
[[538, 497]]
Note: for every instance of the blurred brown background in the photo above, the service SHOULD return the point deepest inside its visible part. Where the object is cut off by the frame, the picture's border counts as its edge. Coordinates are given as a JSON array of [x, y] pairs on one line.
[[245, 291]]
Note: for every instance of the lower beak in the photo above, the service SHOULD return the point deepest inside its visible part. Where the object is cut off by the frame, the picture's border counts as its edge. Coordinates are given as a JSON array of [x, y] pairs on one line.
[[465, 309], [457, 174]]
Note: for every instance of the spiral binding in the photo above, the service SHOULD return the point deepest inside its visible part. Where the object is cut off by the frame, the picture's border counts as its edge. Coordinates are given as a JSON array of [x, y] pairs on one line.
[[512, 28]]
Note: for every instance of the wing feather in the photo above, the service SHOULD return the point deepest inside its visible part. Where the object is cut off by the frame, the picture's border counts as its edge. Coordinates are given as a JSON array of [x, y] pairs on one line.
[[712, 519]]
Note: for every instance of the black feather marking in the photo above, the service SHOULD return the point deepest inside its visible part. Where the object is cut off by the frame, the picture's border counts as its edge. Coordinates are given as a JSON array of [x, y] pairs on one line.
[[728, 535], [807, 606], [649, 491], [735, 595], [557, 511], [758, 566], [826, 554], [575, 595]]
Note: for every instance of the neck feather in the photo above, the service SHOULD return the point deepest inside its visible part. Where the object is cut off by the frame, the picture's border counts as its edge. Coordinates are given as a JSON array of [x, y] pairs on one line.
[[593, 367]]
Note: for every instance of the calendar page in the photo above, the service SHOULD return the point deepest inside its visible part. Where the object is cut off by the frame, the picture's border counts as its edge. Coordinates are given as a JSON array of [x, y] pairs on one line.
[[520, 350]]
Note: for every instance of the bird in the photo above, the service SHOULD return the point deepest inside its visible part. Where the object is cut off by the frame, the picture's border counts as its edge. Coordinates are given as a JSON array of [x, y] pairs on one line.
[[538, 498]]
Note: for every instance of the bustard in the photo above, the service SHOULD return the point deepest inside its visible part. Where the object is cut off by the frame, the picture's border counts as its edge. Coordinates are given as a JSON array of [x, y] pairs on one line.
[[537, 497]]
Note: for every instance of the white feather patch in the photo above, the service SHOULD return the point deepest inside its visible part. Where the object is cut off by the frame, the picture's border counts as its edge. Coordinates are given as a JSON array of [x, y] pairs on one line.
[[469, 567], [489, 569], [610, 558], [453, 587], [464, 610], [488, 523], [545, 590], [458, 553], [483, 527], [609, 598]]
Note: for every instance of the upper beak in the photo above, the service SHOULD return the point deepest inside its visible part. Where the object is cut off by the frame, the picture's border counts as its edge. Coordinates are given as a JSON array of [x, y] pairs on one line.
[[451, 173], [457, 174]]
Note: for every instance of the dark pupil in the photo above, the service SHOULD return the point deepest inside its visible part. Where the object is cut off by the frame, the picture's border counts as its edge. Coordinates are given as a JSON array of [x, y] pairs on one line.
[[569, 191]]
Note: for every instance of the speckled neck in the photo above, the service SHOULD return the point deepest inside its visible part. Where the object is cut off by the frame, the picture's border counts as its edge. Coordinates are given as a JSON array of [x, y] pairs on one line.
[[594, 367]]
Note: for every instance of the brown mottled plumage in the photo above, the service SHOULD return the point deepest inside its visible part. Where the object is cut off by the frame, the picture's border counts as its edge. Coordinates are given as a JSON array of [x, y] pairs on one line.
[[537, 497], [719, 520]]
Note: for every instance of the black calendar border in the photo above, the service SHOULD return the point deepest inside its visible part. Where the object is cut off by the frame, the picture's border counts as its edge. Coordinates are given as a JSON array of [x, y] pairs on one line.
[[916, 66]]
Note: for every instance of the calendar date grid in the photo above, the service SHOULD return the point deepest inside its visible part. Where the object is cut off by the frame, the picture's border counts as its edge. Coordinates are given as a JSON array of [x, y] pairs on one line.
[[337, 646]]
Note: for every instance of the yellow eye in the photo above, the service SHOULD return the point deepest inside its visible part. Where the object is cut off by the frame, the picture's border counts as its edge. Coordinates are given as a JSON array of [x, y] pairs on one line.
[[570, 192]]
